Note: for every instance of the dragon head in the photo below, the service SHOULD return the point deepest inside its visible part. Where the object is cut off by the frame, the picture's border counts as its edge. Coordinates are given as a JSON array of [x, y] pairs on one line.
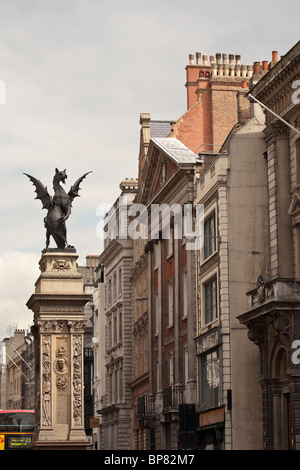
[[61, 175]]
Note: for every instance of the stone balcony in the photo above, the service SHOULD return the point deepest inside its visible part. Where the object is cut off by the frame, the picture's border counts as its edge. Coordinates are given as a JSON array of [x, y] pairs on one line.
[[276, 290], [275, 303]]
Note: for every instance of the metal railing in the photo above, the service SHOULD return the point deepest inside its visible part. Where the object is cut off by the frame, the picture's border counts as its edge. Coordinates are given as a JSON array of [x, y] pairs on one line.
[[172, 396], [146, 405]]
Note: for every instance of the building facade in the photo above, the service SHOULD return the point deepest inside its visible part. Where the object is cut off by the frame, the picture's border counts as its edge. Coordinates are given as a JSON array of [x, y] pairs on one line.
[[17, 371], [116, 408], [216, 103], [272, 316], [88, 272], [232, 190], [165, 187], [98, 347]]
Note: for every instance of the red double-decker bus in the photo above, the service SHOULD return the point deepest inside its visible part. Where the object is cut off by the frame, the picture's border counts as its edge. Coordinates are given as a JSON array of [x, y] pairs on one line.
[[16, 429]]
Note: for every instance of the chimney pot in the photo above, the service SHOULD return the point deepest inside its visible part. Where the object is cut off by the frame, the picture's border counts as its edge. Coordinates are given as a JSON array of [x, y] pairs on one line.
[[238, 70], [204, 59], [214, 69], [191, 59], [198, 57], [238, 59], [274, 56], [244, 84], [212, 59], [265, 65], [256, 68]]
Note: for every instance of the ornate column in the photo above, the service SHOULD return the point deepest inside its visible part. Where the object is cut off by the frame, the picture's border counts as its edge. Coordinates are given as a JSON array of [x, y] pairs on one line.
[[58, 304], [281, 251]]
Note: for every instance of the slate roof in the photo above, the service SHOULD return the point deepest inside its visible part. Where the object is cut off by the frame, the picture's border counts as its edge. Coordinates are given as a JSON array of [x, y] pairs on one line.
[[160, 128], [176, 150]]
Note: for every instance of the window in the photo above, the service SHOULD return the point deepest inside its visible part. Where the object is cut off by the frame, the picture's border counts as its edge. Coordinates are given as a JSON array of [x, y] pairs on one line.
[[120, 329], [109, 292], [110, 388], [115, 386], [171, 368], [120, 282], [114, 286], [156, 311], [186, 364], [170, 243], [120, 385], [155, 255], [170, 288], [109, 336], [184, 294], [209, 379], [210, 299], [115, 330], [209, 236]]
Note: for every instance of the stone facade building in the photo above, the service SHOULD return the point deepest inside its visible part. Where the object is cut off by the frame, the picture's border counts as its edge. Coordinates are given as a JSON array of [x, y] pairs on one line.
[[272, 316], [232, 190], [116, 409], [17, 376], [98, 348]]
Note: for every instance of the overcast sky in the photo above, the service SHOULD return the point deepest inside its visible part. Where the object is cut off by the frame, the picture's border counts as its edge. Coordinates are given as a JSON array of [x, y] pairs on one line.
[[78, 73]]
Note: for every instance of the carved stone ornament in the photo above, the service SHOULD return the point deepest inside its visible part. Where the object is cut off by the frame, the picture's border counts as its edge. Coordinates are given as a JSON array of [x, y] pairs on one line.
[[261, 288], [256, 333], [46, 381], [77, 326], [52, 325], [61, 265], [77, 379], [61, 368], [283, 323]]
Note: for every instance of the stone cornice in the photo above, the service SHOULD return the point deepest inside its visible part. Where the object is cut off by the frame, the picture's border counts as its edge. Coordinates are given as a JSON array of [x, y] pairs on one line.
[[278, 74], [54, 303], [114, 248]]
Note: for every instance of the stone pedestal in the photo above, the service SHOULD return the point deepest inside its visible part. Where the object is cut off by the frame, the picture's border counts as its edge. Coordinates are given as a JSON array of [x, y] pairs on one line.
[[58, 306]]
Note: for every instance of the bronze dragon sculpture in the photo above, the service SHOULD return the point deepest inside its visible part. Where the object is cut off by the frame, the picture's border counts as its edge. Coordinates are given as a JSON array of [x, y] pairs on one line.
[[58, 207]]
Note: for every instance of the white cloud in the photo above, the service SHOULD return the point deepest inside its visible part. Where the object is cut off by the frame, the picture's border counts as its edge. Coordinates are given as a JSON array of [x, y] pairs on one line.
[[18, 273]]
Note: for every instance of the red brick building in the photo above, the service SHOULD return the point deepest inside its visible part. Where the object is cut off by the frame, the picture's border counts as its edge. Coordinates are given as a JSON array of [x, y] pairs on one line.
[[212, 107], [164, 384]]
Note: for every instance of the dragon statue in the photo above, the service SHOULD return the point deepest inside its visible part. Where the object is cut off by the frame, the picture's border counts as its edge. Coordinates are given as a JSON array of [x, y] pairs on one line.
[[58, 207]]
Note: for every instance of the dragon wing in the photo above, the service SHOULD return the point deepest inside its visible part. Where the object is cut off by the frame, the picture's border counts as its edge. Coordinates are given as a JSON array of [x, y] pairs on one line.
[[41, 191], [75, 188]]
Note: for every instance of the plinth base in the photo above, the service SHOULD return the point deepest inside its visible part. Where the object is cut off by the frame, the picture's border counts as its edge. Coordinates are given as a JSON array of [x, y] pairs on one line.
[[60, 445]]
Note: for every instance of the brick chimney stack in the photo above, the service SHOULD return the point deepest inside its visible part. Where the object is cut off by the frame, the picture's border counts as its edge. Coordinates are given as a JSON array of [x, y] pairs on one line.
[[218, 65]]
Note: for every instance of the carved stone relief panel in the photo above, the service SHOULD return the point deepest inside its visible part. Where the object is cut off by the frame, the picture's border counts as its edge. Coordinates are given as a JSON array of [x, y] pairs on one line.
[[46, 408], [61, 370], [77, 379]]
